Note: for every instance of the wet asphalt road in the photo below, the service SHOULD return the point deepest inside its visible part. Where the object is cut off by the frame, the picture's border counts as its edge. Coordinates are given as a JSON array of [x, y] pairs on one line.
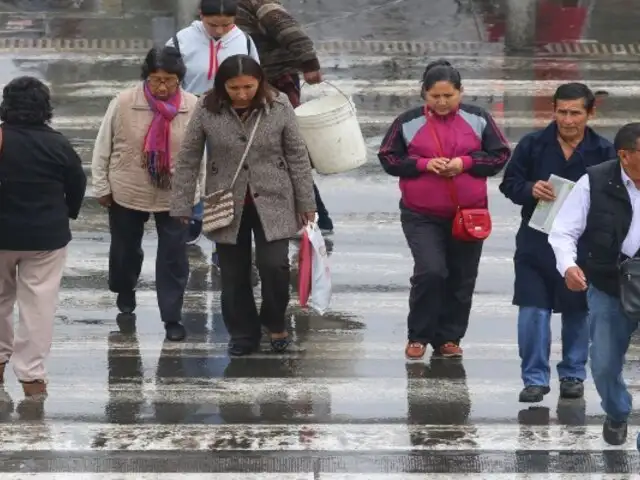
[[124, 404]]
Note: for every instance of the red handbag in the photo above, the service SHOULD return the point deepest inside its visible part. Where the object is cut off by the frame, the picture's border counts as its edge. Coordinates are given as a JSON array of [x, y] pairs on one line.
[[469, 224]]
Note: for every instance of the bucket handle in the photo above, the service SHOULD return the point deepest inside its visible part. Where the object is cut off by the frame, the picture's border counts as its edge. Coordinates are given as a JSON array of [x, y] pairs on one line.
[[352, 107]]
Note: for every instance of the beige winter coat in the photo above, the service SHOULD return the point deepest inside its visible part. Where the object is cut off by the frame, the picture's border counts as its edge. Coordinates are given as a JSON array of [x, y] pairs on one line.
[[117, 164], [277, 172]]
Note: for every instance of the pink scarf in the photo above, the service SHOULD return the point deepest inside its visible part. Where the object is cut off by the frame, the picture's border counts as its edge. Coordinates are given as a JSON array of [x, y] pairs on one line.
[[157, 141]]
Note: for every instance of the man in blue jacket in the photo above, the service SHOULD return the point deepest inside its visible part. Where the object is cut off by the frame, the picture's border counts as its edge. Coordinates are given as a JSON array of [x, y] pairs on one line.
[[565, 148]]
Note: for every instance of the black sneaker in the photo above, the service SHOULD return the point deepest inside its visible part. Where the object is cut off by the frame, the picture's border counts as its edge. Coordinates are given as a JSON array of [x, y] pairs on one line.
[[175, 332], [126, 302], [571, 388], [533, 393], [614, 433]]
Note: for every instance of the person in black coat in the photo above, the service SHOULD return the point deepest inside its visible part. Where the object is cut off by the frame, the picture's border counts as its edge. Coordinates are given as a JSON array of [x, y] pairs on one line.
[[42, 185], [565, 148]]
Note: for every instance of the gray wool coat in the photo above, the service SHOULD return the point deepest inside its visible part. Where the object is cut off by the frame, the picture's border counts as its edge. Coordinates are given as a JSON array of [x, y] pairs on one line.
[[277, 170]]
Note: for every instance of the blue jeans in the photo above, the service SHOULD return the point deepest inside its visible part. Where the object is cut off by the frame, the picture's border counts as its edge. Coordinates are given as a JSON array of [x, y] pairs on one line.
[[534, 345], [610, 331]]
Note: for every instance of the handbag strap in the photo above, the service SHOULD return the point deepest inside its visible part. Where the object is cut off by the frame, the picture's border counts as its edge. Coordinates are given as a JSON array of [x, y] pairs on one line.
[[450, 183], [246, 150]]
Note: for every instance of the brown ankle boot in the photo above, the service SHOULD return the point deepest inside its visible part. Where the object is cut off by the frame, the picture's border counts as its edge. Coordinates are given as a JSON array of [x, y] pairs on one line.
[[32, 389]]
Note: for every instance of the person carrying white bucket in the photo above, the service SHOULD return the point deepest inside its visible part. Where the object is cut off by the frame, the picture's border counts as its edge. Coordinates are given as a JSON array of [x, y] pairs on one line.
[[331, 131], [285, 52]]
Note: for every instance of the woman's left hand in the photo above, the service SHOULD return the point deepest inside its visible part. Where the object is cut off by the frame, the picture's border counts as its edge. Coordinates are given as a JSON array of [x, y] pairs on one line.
[[184, 220], [308, 217], [453, 168]]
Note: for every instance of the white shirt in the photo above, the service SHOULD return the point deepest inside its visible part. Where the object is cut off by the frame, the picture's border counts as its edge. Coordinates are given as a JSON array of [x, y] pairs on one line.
[[571, 221], [195, 45]]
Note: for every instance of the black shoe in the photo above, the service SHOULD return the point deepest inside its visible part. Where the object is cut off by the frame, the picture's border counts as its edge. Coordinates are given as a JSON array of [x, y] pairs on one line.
[[285, 345], [614, 433], [571, 388], [533, 393], [236, 350], [126, 323], [175, 332], [126, 302]]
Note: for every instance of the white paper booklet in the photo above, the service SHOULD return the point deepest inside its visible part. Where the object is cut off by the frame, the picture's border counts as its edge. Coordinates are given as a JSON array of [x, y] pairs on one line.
[[545, 212]]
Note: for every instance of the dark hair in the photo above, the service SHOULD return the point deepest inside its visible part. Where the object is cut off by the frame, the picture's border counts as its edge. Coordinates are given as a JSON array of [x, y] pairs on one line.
[[627, 137], [575, 91], [440, 71], [26, 101], [163, 58], [226, 8], [234, 66]]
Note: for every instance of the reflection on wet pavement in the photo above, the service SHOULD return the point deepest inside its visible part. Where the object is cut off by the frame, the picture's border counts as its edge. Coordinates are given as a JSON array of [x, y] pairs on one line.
[[122, 400]]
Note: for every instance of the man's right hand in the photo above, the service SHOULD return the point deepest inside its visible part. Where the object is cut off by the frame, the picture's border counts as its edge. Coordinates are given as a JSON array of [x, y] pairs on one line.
[[313, 78], [543, 191], [575, 279], [106, 201]]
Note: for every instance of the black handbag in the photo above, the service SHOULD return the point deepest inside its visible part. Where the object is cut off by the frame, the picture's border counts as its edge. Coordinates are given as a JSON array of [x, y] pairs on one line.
[[630, 287]]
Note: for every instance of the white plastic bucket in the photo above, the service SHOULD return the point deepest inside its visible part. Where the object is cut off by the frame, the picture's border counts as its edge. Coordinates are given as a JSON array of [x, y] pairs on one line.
[[331, 131]]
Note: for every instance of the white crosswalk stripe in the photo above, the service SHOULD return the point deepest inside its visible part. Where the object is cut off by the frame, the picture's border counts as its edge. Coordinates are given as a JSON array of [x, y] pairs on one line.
[[129, 406]]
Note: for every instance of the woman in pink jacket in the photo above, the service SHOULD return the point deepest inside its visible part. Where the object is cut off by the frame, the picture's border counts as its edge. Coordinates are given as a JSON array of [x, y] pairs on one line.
[[443, 152]]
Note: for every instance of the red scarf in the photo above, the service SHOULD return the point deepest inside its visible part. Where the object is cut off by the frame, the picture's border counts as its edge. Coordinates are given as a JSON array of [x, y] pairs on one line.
[[213, 54], [213, 59]]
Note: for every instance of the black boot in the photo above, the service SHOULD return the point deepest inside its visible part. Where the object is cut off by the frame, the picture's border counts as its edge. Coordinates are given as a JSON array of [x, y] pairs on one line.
[[571, 388], [614, 433], [533, 393], [126, 302], [175, 332]]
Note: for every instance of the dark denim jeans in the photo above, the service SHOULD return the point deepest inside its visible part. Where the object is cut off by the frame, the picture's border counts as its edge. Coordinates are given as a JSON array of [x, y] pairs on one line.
[[610, 330], [534, 345]]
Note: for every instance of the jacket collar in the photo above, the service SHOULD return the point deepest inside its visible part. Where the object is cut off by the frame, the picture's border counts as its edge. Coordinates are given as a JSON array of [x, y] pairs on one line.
[[140, 101], [430, 113], [591, 140], [266, 107]]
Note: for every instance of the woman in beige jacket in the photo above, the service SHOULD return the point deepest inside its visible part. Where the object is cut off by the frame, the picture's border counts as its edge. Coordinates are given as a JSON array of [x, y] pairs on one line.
[[132, 172]]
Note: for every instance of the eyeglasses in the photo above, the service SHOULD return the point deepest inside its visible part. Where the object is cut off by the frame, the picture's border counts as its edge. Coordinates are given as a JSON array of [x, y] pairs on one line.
[[155, 82]]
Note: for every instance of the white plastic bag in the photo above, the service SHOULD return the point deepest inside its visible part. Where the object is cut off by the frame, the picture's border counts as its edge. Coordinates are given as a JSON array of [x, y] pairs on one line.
[[320, 271]]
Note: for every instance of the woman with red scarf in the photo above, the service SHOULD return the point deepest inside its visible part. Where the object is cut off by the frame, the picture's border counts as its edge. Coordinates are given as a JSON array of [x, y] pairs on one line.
[[132, 170]]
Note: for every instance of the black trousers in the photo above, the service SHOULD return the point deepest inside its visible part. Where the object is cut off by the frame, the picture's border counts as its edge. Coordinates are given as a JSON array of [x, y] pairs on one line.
[[239, 309], [126, 256], [443, 281]]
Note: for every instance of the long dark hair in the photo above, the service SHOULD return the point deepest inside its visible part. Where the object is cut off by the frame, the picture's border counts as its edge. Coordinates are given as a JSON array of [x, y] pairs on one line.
[[217, 98]]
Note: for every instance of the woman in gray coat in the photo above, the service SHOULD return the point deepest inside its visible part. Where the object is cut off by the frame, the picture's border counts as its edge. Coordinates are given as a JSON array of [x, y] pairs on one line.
[[273, 194]]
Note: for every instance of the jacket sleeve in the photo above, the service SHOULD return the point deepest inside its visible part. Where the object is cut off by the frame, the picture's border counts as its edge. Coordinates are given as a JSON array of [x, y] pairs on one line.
[[394, 156], [495, 151], [102, 153], [75, 181], [283, 28], [297, 157], [188, 166], [516, 182]]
